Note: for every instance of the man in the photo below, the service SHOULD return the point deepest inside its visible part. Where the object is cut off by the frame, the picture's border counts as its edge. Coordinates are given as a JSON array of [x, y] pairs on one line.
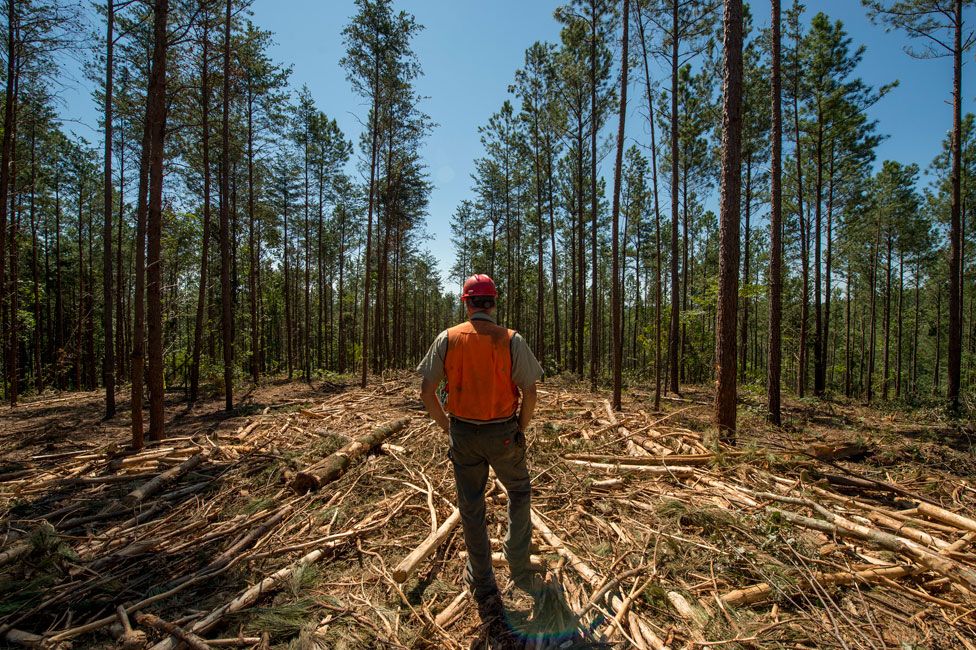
[[491, 375]]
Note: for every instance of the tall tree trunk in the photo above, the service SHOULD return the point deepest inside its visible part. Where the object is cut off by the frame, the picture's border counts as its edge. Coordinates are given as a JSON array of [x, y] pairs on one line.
[[594, 285], [819, 343], [205, 243], [657, 214], [955, 231], [746, 278], [938, 340], [901, 301], [728, 270], [914, 370], [615, 302], [120, 288], [828, 271], [885, 377], [581, 247], [802, 361], [289, 307], [108, 361], [369, 218], [875, 254], [6, 160], [35, 272], [227, 315], [847, 329], [252, 256], [673, 335], [154, 224], [14, 344], [774, 356], [550, 182]]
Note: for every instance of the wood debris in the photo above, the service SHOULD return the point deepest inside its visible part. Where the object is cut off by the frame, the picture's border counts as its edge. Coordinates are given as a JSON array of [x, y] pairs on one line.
[[647, 537]]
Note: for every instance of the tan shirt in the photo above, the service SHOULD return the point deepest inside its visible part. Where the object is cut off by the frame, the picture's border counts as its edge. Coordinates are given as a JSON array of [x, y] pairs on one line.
[[526, 370]]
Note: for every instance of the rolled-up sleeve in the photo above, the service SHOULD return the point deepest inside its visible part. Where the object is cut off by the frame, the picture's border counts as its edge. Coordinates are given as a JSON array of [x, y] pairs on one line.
[[431, 367], [526, 370]]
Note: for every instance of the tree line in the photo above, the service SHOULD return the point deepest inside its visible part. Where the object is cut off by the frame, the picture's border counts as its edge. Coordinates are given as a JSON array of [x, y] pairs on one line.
[[226, 229], [826, 271]]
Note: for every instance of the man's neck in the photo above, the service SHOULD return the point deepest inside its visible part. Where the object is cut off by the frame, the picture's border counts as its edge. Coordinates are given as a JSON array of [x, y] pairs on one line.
[[482, 315]]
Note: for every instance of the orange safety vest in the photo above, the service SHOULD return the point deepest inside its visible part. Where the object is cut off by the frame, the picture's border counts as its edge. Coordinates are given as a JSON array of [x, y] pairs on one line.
[[479, 371]]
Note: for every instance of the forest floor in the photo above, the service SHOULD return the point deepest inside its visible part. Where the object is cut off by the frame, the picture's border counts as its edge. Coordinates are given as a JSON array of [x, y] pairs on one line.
[[847, 528]]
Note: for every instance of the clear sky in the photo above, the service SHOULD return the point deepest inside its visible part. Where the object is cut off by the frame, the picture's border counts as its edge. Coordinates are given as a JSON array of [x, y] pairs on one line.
[[470, 50]]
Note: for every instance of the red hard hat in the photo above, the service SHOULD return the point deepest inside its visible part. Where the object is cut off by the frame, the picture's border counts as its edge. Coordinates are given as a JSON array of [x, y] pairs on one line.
[[479, 285]]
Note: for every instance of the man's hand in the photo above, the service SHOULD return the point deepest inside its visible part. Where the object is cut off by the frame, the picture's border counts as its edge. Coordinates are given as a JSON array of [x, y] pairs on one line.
[[428, 393], [529, 398]]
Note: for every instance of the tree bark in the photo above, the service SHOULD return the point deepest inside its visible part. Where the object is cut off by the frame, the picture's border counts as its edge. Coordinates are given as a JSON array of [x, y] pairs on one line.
[[728, 272], [615, 302], [227, 316], [6, 160], [955, 231], [156, 119], [108, 361], [205, 243], [594, 127], [673, 335]]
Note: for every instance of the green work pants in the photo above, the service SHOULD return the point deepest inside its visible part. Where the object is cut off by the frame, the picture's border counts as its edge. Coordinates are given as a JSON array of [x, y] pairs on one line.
[[475, 447]]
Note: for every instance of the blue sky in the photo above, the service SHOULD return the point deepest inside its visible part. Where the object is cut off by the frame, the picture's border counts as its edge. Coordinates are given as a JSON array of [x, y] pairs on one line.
[[470, 50]]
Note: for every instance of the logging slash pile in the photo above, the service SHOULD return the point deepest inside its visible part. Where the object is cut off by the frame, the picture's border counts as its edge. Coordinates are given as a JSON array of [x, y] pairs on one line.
[[327, 521]]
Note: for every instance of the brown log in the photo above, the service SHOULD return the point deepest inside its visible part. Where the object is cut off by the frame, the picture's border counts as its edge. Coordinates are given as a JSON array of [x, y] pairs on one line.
[[676, 459], [451, 612], [837, 525], [660, 470], [410, 563], [334, 466], [946, 516], [158, 624], [761, 591], [156, 484], [498, 560], [231, 642]]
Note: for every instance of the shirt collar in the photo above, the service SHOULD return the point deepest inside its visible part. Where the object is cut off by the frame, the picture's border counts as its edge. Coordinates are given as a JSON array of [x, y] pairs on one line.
[[483, 315]]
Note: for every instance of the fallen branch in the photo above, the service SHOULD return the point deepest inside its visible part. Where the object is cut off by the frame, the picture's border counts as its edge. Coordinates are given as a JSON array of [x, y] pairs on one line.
[[247, 598], [591, 577], [158, 624], [410, 563]]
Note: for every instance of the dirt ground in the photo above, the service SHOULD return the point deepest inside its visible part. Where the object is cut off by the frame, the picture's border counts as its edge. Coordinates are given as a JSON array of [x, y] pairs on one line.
[[849, 527]]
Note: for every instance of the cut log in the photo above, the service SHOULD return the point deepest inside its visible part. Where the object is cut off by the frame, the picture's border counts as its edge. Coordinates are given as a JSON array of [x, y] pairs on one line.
[[410, 563], [334, 466], [246, 598], [763, 590], [452, 611], [536, 563], [660, 470], [947, 516], [676, 459], [686, 610], [158, 624], [963, 576], [156, 484]]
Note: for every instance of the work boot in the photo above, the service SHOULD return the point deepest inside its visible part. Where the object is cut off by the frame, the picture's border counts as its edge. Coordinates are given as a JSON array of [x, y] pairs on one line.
[[531, 583], [491, 608]]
